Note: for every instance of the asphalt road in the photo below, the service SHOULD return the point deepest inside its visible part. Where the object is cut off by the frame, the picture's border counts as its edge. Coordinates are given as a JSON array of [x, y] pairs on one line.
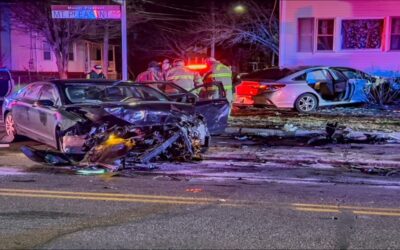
[[214, 204], [50, 211]]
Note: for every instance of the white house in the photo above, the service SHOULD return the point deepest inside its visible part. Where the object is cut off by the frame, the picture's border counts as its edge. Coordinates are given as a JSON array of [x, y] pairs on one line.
[[363, 34], [27, 52]]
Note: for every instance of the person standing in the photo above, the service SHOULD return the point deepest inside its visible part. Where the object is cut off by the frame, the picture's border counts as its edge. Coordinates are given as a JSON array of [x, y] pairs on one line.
[[165, 67], [219, 72], [183, 77], [152, 74], [96, 73]]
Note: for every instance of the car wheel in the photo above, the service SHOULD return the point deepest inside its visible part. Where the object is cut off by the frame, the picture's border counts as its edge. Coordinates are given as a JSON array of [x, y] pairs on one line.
[[306, 103], [11, 129]]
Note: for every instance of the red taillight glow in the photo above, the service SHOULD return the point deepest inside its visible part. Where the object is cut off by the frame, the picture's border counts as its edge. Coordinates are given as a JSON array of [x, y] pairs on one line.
[[255, 88]]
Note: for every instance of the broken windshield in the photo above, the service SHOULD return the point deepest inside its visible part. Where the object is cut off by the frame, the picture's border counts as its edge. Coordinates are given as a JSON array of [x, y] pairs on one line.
[[88, 93]]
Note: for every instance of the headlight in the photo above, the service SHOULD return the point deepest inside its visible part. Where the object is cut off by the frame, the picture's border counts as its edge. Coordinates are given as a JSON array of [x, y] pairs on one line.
[[131, 116], [134, 116]]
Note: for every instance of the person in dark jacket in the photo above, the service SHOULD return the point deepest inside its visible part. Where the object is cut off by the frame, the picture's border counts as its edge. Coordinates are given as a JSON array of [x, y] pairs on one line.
[[96, 73], [152, 74]]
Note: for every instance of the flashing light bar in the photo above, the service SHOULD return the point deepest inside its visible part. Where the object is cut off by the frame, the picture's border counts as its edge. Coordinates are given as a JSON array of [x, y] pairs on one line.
[[196, 66]]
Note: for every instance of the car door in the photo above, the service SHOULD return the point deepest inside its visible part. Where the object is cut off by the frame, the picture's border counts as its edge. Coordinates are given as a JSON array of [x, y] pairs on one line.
[[44, 118], [341, 85], [213, 105], [321, 81], [358, 84], [21, 108]]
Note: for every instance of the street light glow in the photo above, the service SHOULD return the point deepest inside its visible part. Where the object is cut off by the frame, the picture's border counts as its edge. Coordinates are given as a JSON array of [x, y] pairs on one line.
[[239, 9]]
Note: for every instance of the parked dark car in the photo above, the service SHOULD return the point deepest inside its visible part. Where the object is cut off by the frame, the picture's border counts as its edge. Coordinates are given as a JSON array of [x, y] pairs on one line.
[[60, 111]]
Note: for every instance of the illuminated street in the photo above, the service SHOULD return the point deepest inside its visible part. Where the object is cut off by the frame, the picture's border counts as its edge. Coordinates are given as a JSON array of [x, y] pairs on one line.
[[217, 203], [182, 124]]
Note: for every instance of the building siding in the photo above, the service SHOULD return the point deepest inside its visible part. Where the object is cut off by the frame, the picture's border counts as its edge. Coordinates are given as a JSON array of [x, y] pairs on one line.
[[21, 52], [381, 60], [29, 47]]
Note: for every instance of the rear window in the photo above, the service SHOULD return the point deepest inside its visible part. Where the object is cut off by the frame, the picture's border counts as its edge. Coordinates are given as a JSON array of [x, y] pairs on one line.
[[269, 74]]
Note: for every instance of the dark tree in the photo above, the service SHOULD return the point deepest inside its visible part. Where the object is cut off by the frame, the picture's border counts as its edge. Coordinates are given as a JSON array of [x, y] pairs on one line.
[[35, 16]]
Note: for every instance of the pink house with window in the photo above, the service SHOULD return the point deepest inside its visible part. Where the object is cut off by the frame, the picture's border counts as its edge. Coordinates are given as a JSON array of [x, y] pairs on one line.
[[27, 53], [363, 34]]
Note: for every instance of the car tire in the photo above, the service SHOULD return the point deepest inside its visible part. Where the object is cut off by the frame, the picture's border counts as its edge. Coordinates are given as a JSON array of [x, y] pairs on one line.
[[11, 129], [306, 103]]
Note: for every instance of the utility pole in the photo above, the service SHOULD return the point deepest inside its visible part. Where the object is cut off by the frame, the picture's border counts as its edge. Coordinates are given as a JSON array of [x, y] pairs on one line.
[[212, 52], [124, 42]]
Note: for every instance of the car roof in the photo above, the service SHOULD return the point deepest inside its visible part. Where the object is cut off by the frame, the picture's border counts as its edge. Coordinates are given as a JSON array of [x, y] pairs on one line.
[[87, 81]]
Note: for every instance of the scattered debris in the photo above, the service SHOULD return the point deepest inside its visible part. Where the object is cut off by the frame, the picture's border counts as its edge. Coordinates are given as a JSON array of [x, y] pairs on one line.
[[194, 190], [166, 178], [288, 127], [241, 138], [340, 134], [24, 180], [92, 170], [381, 171], [118, 145]]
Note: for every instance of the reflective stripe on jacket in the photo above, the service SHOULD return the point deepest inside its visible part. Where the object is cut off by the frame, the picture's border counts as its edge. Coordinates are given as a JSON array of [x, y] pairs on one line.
[[183, 77], [221, 73]]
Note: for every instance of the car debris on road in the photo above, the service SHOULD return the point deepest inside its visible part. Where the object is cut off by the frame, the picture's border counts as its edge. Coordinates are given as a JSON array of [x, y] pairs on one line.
[[117, 147], [334, 133], [117, 126]]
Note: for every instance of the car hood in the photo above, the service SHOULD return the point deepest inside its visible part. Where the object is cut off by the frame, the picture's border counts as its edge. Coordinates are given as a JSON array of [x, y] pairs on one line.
[[138, 113]]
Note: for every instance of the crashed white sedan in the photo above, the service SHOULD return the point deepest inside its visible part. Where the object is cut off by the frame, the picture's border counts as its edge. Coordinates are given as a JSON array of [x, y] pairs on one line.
[[304, 89]]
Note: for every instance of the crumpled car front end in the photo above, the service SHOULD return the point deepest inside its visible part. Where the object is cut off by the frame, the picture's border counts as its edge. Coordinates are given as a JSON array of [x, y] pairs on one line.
[[118, 136]]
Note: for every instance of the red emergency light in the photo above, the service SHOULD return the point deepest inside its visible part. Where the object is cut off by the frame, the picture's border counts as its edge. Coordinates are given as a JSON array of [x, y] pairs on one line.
[[197, 66]]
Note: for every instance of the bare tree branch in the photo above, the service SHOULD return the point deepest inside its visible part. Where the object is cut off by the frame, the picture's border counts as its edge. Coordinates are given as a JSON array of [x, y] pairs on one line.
[[60, 34], [258, 26]]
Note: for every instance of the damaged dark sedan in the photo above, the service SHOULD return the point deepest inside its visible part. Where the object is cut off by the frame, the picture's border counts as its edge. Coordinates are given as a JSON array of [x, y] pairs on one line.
[[116, 124]]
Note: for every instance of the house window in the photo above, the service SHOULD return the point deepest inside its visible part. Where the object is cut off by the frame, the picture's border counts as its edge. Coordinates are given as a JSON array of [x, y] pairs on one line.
[[325, 34], [46, 51], [362, 34], [395, 34], [71, 52], [305, 34]]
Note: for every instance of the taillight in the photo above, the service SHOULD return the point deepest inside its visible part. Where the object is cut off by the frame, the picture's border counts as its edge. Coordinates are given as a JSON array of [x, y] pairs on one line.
[[276, 87], [254, 88]]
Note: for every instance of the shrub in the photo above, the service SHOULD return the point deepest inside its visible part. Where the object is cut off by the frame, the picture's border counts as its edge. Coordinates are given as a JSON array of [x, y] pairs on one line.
[[384, 91]]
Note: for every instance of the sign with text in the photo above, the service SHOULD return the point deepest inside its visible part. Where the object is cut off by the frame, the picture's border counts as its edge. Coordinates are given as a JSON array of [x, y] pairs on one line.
[[86, 11]]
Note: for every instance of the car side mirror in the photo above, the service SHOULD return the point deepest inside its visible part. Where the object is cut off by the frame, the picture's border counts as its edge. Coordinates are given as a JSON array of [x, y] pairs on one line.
[[44, 103]]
